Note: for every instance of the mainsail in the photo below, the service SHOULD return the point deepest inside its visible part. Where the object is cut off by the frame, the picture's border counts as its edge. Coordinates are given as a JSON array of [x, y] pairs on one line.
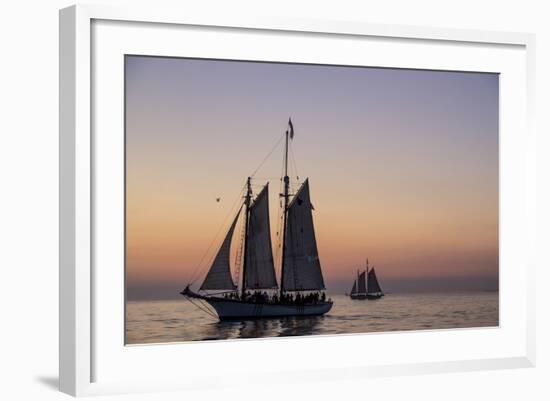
[[301, 267], [373, 286], [219, 275], [260, 271], [362, 284]]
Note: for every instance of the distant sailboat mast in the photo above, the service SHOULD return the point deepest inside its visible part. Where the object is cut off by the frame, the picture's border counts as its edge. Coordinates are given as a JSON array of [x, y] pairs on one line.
[[367, 272]]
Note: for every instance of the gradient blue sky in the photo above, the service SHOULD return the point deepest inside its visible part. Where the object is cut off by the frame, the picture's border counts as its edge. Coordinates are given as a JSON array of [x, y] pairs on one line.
[[403, 166]]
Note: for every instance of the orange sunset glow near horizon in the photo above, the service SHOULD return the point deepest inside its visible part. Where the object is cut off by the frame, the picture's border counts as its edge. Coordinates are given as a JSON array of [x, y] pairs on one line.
[[402, 165]]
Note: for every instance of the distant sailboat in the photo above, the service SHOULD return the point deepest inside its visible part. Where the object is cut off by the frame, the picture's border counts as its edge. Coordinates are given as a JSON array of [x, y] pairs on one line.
[[366, 285], [301, 291]]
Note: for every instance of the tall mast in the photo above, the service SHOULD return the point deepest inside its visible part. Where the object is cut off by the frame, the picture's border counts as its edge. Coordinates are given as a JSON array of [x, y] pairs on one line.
[[286, 196], [247, 199], [367, 275]]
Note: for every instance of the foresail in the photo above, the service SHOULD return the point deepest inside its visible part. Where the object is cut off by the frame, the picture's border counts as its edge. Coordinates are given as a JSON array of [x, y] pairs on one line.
[[219, 275], [260, 271], [373, 286], [362, 283], [302, 269], [354, 288]]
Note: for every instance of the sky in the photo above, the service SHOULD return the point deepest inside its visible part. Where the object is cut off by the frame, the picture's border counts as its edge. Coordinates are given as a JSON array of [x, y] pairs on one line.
[[402, 164]]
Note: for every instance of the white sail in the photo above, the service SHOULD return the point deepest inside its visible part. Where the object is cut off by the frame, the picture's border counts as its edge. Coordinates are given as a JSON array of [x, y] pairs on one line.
[[219, 275], [362, 283], [302, 270], [373, 286], [260, 271]]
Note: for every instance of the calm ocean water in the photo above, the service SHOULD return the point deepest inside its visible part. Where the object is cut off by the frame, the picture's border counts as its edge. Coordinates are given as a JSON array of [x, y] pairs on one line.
[[178, 320]]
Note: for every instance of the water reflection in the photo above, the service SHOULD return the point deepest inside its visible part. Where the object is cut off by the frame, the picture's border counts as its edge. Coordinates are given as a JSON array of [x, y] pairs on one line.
[[177, 320], [301, 325], [256, 328]]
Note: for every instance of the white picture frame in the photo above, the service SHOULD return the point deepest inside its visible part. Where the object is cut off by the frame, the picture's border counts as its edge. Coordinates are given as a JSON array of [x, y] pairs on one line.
[[90, 364]]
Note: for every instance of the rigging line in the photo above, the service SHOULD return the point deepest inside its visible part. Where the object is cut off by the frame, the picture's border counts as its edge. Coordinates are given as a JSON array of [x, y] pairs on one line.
[[265, 178], [200, 305], [269, 154], [295, 182], [192, 303], [294, 161], [200, 267], [208, 307], [208, 312]]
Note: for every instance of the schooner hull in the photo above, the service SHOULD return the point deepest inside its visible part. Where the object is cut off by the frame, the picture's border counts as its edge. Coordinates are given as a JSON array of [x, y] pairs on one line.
[[366, 296], [239, 310]]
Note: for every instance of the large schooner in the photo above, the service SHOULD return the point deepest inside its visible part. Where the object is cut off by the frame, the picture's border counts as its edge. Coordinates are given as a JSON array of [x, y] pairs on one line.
[[366, 285], [301, 292]]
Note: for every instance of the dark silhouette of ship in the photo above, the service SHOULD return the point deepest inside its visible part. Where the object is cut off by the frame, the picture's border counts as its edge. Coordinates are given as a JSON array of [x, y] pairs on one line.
[[366, 285], [258, 295]]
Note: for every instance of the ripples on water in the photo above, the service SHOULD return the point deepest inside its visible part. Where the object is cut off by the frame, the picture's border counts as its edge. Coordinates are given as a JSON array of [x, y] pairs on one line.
[[178, 320]]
